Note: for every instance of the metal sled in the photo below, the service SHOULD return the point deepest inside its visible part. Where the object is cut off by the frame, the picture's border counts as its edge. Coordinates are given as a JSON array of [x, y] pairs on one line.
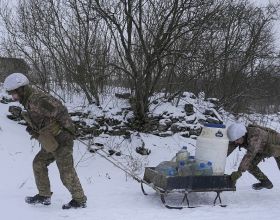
[[186, 184]]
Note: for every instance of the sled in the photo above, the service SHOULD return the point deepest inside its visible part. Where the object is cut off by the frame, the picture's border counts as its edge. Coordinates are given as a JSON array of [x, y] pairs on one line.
[[185, 185]]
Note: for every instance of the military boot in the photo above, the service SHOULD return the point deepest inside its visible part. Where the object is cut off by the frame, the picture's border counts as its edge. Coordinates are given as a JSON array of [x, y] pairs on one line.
[[38, 199], [263, 184], [74, 204]]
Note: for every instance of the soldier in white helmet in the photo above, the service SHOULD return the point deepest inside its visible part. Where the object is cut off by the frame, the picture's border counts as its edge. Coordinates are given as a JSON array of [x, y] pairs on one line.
[[261, 143], [49, 122]]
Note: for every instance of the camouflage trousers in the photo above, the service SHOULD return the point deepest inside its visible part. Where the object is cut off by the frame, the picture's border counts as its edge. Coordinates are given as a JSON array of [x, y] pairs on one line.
[[64, 160], [255, 170]]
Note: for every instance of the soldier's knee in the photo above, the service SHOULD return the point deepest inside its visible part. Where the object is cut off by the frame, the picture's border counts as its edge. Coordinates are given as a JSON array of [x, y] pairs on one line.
[[38, 165], [67, 178]]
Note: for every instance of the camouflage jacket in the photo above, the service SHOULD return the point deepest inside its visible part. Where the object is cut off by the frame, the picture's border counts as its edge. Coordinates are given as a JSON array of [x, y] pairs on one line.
[[44, 109], [258, 140]]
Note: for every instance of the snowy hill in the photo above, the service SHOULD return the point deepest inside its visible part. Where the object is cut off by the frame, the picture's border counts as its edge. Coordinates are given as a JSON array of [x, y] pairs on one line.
[[111, 195]]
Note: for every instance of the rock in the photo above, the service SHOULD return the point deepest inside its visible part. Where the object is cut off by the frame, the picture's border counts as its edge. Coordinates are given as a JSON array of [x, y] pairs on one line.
[[168, 122], [14, 118], [184, 128], [162, 127], [143, 151], [185, 134], [90, 131], [193, 137], [127, 136], [175, 128], [118, 153], [79, 114], [201, 121], [150, 125], [195, 131], [190, 121], [15, 111], [6, 100], [181, 118], [72, 114], [183, 95], [118, 132], [192, 96], [189, 109], [94, 148], [119, 113], [100, 120], [174, 120], [209, 112], [81, 124], [165, 134], [164, 124], [112, 121], [99, 144], [123, 95], [155, 102], [96, 126], [114, 152]]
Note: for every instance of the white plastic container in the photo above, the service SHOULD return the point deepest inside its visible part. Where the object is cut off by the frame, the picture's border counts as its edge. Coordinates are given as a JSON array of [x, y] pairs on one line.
[[212, 145]]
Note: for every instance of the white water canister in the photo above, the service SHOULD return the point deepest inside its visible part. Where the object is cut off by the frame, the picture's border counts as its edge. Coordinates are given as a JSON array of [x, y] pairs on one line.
[[212, 145]]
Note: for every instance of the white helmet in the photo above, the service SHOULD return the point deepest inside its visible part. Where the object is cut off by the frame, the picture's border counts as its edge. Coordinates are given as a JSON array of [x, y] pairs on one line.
[[236, 131], [14, 81]]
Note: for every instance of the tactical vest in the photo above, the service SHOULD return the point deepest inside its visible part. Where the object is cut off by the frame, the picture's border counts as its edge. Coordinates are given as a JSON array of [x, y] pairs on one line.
[[273, 141], [47, 133]]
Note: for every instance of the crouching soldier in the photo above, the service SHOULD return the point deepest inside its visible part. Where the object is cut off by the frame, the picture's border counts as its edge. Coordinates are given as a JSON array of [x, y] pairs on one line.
[[261, 143], [48, 122]]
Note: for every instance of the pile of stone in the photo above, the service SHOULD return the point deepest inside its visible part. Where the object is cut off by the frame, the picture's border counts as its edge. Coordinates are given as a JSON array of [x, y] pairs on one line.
[[164, 125]]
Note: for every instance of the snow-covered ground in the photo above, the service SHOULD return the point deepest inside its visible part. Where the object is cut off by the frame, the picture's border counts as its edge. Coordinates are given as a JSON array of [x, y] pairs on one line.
[[111, 195]]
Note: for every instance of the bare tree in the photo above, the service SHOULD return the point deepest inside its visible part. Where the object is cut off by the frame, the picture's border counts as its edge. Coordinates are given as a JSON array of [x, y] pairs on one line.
[[145, 33], [63, 41], [231, 48]]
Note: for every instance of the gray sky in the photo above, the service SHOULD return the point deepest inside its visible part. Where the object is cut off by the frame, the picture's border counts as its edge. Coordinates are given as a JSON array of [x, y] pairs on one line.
[[277, 23]]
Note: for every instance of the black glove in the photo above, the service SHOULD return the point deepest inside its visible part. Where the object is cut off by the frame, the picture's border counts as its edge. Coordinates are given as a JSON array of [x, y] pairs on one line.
[[235, 176], [33, 133]]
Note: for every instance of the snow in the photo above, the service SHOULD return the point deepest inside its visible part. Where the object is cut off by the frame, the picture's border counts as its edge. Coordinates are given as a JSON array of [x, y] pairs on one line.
[[113, 195]]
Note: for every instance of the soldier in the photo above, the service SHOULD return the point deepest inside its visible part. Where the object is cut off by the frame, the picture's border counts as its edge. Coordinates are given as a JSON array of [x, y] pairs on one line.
[[49, 122], [261, 143]]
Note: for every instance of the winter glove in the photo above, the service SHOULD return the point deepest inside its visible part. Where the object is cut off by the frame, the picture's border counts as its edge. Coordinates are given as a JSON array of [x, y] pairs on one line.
[[52, 128], [33, 133], [73, 131], [235, 176]]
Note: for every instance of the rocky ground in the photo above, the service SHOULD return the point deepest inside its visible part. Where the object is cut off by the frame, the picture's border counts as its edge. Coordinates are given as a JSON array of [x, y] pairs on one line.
[[184, 116]]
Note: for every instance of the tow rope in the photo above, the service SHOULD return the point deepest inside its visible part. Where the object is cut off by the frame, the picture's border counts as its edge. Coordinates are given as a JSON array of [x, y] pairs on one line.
[[116, 163]]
